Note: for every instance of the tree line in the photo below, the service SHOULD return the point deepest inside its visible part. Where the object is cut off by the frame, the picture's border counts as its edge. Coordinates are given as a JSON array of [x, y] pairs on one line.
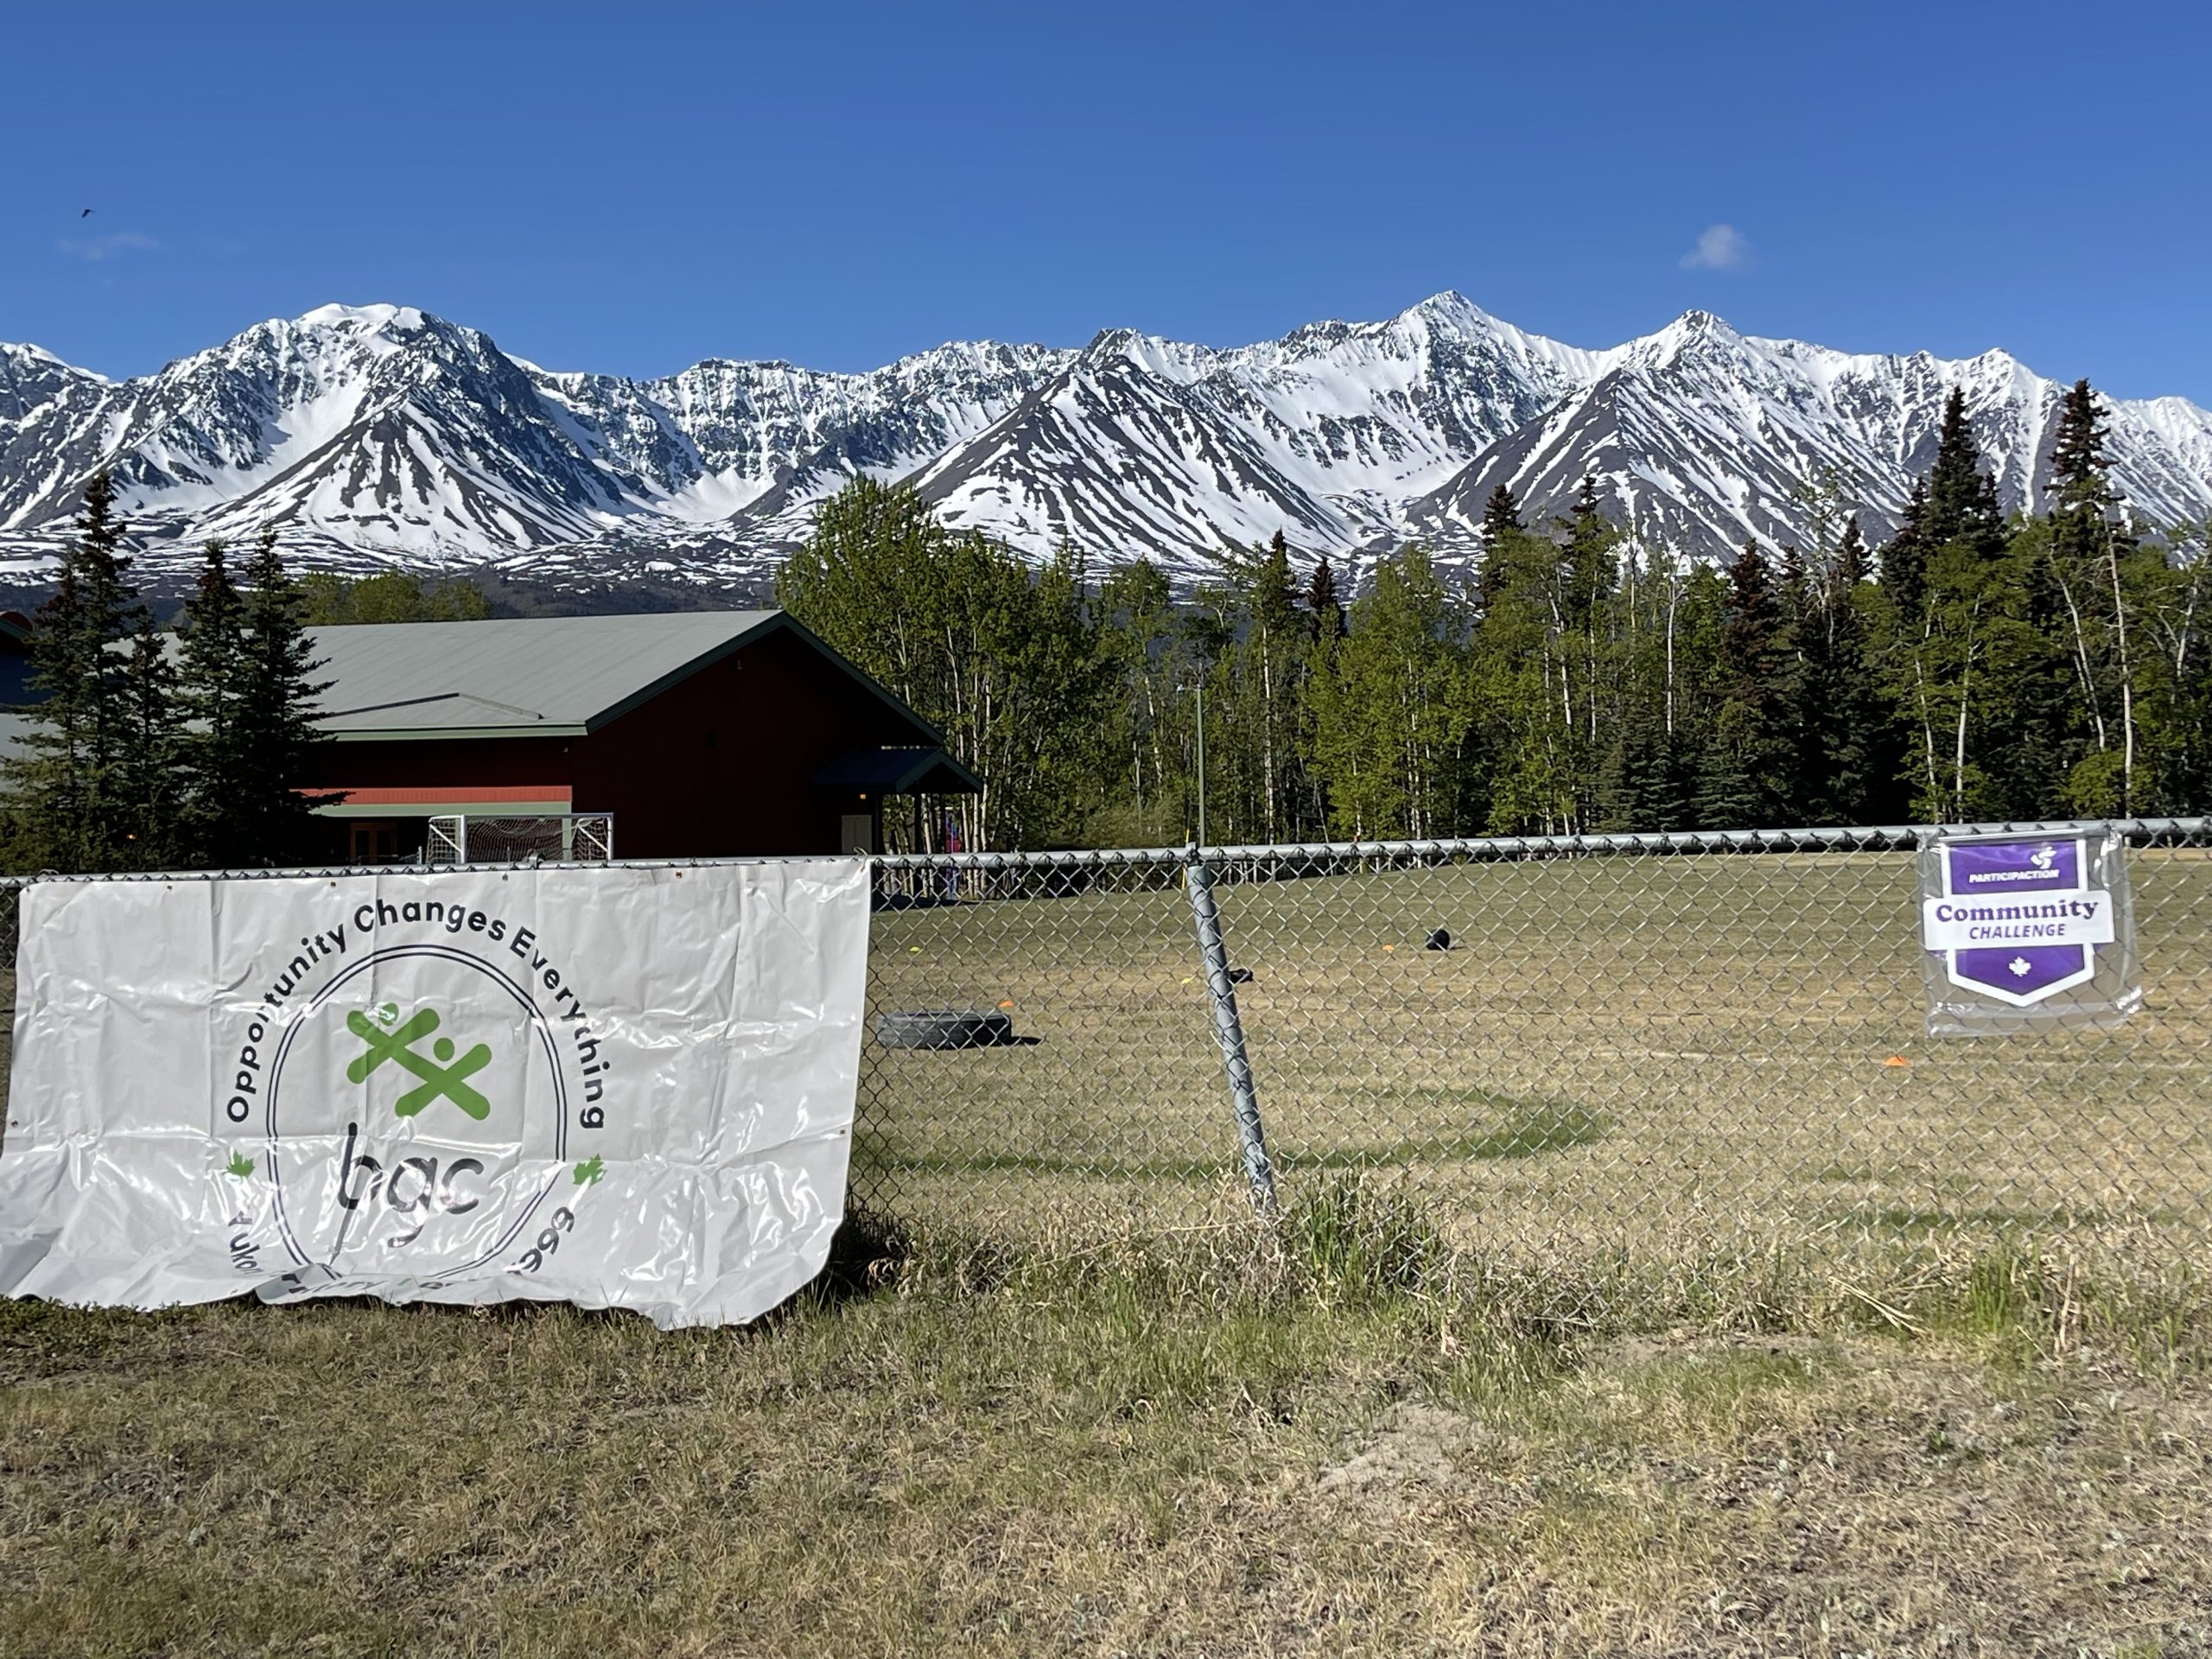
[[1974, 667], [181, 748]]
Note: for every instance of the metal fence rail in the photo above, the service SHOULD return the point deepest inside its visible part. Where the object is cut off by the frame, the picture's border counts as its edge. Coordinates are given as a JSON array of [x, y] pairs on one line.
[[1637, 1044]]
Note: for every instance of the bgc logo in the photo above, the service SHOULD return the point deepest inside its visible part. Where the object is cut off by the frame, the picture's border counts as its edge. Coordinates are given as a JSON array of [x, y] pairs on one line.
[[418, 1109]]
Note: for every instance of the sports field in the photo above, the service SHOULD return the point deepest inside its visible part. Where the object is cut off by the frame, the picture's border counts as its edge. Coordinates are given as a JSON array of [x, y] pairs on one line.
[[1664, 1055], [1092, 1408]]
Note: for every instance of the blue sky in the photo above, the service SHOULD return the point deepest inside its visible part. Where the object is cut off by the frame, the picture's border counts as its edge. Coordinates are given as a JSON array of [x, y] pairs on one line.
[[632, 187]]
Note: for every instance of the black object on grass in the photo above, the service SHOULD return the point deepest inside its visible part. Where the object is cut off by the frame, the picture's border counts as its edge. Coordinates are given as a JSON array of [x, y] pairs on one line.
[[1440, 940], [942, 1028]]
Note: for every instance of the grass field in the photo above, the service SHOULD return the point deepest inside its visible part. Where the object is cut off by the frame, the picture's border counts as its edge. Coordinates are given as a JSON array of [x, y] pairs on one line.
[[1660, 1055], [1338, 1438], [1625, 1301]]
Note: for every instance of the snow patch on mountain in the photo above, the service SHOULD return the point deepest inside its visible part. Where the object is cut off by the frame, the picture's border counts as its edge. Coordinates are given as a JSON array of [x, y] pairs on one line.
[[382, 434]]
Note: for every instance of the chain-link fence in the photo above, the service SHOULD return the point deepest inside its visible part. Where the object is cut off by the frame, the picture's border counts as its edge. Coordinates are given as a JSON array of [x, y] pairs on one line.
[[1630, 1046], [1653, 1045]]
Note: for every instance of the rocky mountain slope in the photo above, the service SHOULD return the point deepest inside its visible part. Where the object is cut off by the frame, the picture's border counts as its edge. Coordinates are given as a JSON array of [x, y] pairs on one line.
[[382, 436]]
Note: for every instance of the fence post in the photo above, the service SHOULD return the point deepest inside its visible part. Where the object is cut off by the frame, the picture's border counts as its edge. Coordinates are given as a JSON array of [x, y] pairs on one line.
[[1243, 1098]]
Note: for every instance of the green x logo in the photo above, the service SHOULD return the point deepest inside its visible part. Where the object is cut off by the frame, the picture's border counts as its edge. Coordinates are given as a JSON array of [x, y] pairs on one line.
[[440, 1081]]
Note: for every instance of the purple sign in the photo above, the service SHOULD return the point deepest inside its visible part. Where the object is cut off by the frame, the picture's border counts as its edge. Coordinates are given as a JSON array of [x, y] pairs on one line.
[[2024, 973]]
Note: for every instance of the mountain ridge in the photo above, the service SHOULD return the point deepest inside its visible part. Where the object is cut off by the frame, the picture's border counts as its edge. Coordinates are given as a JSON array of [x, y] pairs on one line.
[[384, 436]]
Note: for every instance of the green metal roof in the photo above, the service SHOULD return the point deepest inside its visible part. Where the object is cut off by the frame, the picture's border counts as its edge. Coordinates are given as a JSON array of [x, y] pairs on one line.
[[533, 676], [900, 772]]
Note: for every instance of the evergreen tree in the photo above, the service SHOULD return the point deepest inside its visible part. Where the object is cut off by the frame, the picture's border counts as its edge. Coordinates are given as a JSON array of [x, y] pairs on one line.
[[268, 820], [1904, 561], [1961, 500], [212, 681], [78, 794], [1847, 757], [1743, 772], [1325, 611], [2079, 467], [1257, 642], [2092, 561], [150, 777], [1500, 513], [1501, 526]]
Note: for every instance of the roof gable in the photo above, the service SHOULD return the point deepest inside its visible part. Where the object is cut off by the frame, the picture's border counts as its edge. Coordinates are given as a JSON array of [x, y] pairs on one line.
[[532, 676]]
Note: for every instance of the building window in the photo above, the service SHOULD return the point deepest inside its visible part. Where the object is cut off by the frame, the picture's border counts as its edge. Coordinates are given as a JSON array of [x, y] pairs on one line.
[[372, 841]]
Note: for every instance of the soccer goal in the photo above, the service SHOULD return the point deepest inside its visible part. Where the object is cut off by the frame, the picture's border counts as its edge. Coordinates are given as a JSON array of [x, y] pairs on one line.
[[544, 838]]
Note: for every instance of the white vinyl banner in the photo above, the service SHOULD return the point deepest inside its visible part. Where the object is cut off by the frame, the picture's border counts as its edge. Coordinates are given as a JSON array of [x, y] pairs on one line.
[[617, 1087]]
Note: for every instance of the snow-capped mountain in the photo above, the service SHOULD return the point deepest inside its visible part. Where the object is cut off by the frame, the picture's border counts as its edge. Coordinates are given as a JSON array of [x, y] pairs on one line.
[[380, 435], [1707, 438]]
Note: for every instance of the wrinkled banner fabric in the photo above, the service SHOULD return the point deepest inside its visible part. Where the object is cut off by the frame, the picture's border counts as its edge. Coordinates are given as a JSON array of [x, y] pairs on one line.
[[618, 1087]]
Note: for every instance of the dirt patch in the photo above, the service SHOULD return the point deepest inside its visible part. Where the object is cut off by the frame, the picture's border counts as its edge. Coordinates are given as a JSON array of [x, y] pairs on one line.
[[1419, 1452]]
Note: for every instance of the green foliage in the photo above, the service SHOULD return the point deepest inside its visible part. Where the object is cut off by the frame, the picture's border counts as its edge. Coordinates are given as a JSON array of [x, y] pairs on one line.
[[394, 596], [1581, 681], [1578, 680], [1391, 708], [1362, 1239], [211, 658], [265, 819], [148, 753], [1745, 766], [89, 789], [1007, 663]]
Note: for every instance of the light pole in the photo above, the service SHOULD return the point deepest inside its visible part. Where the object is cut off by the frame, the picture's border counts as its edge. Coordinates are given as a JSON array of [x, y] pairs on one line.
[[1202, 763]]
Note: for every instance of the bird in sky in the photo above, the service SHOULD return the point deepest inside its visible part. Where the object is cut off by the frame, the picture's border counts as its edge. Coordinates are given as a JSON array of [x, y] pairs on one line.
[[87, 213]]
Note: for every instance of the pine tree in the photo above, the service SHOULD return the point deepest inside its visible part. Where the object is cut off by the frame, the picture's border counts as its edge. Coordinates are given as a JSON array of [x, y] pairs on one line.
[[1743, 773], [269, 818], [2091, 555], [218, 771], [2079, 470], [1501, 512], [1847, 758], [1324, 610], [1961, 500], [1501, 526], [149, 778], [75, 796], [1904, 561]]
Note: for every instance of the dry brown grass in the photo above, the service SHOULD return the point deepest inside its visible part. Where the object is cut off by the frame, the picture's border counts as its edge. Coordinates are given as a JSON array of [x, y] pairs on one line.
[[1342, 1437]]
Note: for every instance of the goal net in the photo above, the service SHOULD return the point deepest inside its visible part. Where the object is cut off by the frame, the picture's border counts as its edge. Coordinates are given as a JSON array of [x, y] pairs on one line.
[[549, 838]]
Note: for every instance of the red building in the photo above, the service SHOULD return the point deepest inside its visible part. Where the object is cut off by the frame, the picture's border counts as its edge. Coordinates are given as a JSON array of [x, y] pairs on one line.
[[703, 732]]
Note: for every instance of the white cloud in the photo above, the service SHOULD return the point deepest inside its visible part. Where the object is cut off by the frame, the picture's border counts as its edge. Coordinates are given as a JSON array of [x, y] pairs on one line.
[[106, 247], [1720, 247]]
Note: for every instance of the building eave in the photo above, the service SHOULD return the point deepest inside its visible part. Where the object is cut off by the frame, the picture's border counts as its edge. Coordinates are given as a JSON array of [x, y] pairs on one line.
[[432, 734]]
